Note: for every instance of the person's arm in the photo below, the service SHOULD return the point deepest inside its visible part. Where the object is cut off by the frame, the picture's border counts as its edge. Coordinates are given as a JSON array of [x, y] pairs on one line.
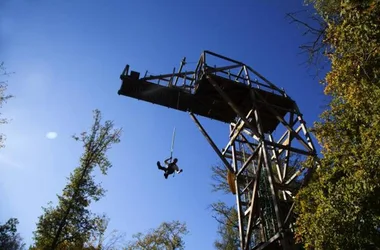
[[177, 169], [167, 160]]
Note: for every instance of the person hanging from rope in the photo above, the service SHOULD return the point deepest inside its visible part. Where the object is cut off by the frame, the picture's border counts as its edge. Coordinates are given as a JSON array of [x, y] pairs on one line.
[[171, 167]]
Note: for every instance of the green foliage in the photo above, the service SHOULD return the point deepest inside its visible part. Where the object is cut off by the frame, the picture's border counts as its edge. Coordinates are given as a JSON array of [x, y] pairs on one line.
[[327, 9], [100, 241], [9, 238], [70, 224], [3, 98], [219, 178], [340, 208], [169, 236], [228, 228]]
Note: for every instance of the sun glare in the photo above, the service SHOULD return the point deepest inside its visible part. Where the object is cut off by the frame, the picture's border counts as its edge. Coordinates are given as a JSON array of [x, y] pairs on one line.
[[51, 135]]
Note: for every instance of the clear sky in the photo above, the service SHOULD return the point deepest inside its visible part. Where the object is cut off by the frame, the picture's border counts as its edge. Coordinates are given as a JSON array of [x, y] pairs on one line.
[[67, 57]]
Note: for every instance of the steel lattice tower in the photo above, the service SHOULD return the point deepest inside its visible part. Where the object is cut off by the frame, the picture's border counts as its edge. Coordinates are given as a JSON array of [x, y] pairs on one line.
[[268, 138]]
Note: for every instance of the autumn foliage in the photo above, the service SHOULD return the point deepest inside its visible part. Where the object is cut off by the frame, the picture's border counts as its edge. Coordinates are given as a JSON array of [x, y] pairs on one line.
[[340, 208]]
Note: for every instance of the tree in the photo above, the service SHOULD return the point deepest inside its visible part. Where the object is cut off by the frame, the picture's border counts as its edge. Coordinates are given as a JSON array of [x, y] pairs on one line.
[[9, 238], [340, 208], [101, 241], [3, 98], [228, 228], [314, 28], [169, 236], [226, 216], [70, 224]]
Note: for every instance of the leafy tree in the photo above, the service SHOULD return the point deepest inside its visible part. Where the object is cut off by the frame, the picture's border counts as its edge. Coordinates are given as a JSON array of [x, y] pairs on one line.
[[228, 228], [70, 224], [9, 238], [3, 97], [340, 208], [101, 241], [169, 236], [226, 216]]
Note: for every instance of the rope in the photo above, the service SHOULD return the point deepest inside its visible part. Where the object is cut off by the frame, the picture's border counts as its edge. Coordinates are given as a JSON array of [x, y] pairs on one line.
[[172, 147]]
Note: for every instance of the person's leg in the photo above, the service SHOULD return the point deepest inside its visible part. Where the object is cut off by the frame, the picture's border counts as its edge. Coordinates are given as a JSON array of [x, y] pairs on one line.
[[160, 167]]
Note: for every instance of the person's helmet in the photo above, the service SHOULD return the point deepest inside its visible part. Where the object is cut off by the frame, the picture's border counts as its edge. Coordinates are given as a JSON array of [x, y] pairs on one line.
[[175, 160]]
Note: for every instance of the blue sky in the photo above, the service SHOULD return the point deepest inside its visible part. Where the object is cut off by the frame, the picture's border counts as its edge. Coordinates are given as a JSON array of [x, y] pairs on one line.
[[67, 57]]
